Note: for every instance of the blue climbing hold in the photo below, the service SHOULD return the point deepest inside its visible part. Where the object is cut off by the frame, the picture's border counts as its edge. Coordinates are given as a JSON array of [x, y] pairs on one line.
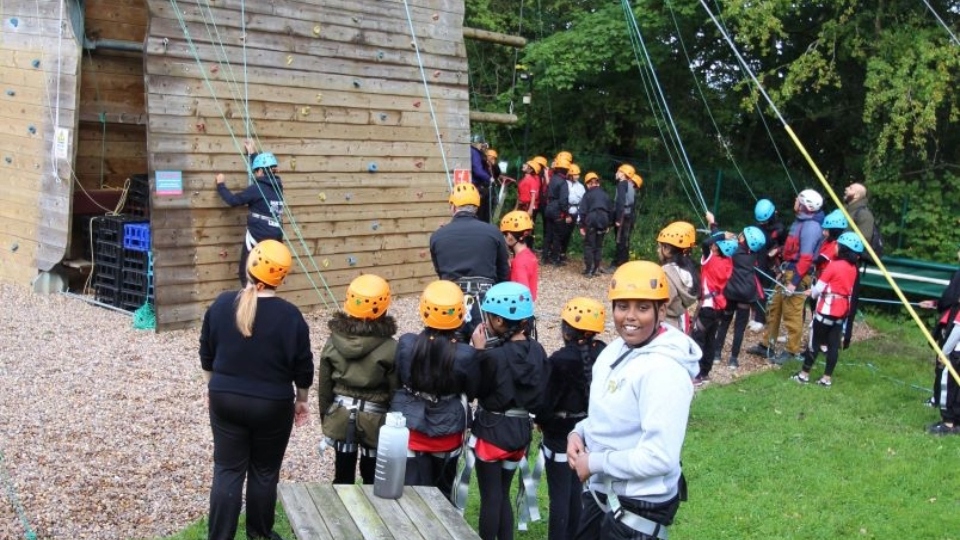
[[32, 129], [35, 63], [14, 22], [11, 93], [372, 167], [351, 260]]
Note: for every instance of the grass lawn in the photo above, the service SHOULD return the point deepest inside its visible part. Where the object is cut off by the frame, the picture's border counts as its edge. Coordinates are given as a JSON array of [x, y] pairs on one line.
[[769, 458]]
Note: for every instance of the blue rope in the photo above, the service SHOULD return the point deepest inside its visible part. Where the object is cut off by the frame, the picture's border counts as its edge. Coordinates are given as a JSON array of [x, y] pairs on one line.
[[28, 532]]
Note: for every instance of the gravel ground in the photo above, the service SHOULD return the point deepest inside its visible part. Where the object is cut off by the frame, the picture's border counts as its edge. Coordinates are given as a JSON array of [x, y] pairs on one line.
[[104, 431]]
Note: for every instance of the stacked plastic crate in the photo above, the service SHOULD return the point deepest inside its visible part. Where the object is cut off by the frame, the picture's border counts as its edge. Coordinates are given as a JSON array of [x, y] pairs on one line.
[[136, 285], [109, 256]]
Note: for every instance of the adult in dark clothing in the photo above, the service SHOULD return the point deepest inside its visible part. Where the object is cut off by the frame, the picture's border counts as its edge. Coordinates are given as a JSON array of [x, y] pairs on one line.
[[438, 376], [628, 182], [768, 258], [855, 202], [481, 175], [254, 350], [948, 308], [264, 197], [595, 211], [556, 211], [469, 252], [567, 397], [356, 377], [513, 382]]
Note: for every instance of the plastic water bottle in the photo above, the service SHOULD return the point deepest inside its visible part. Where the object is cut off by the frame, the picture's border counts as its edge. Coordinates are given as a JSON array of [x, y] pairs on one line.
[[391, 457]]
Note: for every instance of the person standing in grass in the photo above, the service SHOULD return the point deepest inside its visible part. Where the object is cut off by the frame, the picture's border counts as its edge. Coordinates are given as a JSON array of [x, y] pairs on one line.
[[673, 247], [517, 229], [582, 320], [716, 266], [741, 291], [513, 383], [949, 398], [833, 292], [628, 448], [256, 358]]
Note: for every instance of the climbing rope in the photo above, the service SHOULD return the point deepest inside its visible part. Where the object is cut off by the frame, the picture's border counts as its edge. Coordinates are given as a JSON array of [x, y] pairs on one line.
[[943, 24], [11, 491], [833, 196]]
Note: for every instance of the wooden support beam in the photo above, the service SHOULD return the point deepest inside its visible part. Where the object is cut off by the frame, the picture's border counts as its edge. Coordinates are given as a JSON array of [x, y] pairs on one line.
[[494, 37], [492, 118]]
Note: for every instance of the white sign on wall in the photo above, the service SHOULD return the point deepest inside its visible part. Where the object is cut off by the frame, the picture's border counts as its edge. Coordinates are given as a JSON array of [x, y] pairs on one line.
[[61, 148]]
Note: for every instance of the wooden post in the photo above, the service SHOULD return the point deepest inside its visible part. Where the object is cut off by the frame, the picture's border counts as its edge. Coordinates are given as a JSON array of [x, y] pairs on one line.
[[492, 118], [494, 37]]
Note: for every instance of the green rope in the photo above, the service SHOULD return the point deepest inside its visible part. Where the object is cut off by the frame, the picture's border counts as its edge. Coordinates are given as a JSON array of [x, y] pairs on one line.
[[28, 532], [297, 230]]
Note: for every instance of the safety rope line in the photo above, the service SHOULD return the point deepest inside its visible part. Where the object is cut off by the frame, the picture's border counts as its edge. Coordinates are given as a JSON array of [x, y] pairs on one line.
[[833, 196], [11, 490], [663, 99], [246, 85], [943, 24], [706, 104], [426, 90], [674, 137], [209, 85], [233, 85], [763, 119]]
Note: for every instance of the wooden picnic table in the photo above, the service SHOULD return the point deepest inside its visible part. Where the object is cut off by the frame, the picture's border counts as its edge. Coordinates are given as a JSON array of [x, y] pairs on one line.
[[320, 511]]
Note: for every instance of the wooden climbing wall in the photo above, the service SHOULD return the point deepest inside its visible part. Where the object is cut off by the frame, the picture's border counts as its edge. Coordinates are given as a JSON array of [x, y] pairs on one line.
[[335, 88], [39, 77]]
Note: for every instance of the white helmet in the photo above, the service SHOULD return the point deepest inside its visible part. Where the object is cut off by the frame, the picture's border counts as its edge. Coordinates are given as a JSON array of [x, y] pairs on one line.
[[811, 200]]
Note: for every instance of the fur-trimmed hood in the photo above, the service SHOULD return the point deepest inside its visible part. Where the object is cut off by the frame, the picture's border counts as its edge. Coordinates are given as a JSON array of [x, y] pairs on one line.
[[354, 338]]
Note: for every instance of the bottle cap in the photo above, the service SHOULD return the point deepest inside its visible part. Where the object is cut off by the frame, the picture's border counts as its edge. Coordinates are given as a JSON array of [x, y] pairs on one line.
[[396, 419]]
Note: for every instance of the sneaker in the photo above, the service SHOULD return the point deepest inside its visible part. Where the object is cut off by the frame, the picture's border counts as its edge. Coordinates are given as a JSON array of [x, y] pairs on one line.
[[700, 382], [932, 402], [800, 377], [760, 350], [782, 339], [716, 360], [825, 382], [733, 363], [941, 428], [755, 326], [783, 357]]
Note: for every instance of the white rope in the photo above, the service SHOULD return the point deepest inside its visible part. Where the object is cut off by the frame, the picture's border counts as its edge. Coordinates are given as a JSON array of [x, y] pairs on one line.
[[943, 24]]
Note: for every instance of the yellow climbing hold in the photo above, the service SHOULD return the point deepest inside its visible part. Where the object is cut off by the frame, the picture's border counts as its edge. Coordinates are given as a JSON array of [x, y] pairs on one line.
[[289, 59], [322, 196], [325, 262], [316, 30], [305, 111]]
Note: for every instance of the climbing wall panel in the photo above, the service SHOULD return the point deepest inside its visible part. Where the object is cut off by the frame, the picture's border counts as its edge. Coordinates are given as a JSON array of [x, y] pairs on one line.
[[39, 74], [365, 117]]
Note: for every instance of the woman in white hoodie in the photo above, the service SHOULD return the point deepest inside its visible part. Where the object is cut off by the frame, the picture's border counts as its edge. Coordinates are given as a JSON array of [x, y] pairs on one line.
[[628, 448]]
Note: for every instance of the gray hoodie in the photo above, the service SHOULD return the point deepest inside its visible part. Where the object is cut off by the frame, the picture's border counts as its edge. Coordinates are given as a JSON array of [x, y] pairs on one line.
[[638, 415]]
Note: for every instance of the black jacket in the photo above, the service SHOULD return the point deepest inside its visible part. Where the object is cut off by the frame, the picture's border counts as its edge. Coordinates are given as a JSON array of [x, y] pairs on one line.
[[558, 197], [596, 209], [621, 209], [468, 247], [445, 414], [513, 375], [567, 390], [265, 199], [742, 286]]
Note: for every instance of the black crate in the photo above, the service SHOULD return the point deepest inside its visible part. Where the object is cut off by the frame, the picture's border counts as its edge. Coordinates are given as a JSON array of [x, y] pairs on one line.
[[135, 281], [110, 228], [136, 260], [131, 301], [106, 294], [107, 253], [106, 274]]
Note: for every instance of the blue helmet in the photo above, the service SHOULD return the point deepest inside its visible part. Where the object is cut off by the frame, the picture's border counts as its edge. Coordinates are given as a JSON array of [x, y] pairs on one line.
[[835, 220], [727, 246], [852, 241], [764, 210], [510, 300], [264, 160], [754, 237]]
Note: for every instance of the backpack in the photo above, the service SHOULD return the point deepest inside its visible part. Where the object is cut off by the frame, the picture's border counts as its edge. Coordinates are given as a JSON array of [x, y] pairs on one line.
[[876, 239]]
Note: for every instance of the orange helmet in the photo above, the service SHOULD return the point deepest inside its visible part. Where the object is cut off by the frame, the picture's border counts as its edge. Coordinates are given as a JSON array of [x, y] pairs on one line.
[[678, 234], [465, 194], [368, 297], [637, 180], [269, 262], [584, 314], [542, 161], [563, 154], [561, 162], [535, 166], [591, 176], [639, 280], [573, 170], [441, 305], [492, 153], [627, 169], [516, 221]]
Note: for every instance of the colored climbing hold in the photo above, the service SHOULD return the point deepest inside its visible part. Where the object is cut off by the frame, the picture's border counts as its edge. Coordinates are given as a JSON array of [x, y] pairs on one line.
[[8, 159], [214, 69], [293, 164], [419, 194], [356, 83], [436, 74], [416, 104], [289, 59], [11, 92], [351, 260], [14, 22], [375, 225], [32, 129], [322, 196], [423, 253], [372, 167], [418, 164], [380, 55], [304, 111], [319, 97], [348, 196], [35, 63], [325, 262], [316, 30], [383, 117], [15, 247], [436, 16]]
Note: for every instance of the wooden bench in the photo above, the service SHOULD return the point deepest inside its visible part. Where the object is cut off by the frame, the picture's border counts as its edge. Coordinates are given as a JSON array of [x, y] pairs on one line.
[[320, 511]]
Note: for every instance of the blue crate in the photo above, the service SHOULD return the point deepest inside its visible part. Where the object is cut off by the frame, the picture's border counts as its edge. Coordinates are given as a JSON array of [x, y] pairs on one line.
[[136, 236]]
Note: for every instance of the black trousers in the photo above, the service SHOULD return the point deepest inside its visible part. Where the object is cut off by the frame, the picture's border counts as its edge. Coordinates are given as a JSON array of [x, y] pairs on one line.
[[622, 235], [705, 334], [553, 239], [566, 233], [742, 313], [496, 507], [250, 437], [564, 489], [593, 248], [828, 335], [430, 470], [595, 524], [949, 395], [345, 468]]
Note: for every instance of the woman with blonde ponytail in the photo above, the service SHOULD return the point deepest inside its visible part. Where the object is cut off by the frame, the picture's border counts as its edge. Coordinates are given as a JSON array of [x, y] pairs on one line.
[[256, 358]]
